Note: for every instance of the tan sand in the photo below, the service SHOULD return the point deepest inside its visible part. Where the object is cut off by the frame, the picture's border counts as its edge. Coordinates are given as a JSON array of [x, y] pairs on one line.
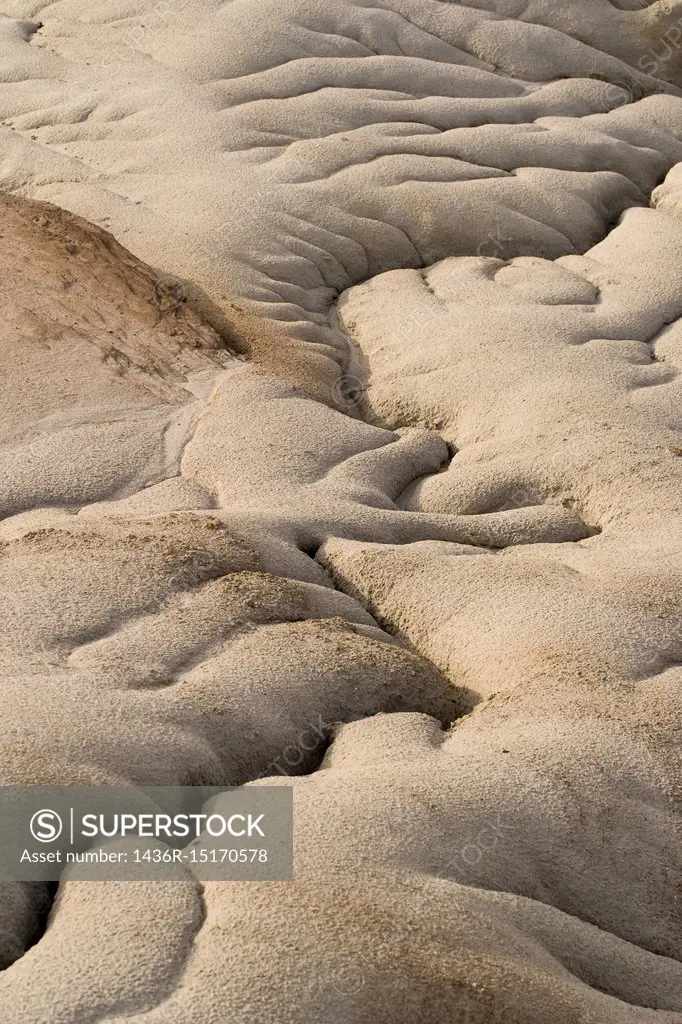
[[281, 152], [199, 556], [124, 617]]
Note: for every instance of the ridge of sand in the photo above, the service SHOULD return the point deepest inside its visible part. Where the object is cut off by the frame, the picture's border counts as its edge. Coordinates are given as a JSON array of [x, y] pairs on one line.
[[512, 509]]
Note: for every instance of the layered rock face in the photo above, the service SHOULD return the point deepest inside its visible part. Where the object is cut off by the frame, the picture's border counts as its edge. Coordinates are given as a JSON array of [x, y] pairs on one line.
[[367, 481]]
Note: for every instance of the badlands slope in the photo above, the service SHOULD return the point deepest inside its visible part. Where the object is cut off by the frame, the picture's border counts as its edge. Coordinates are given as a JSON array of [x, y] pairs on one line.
[[380, 445]]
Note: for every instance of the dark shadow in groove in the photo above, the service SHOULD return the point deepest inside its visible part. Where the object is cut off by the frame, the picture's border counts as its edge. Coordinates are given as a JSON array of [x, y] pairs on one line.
[[39, 897], [45, 910], [310, 549]]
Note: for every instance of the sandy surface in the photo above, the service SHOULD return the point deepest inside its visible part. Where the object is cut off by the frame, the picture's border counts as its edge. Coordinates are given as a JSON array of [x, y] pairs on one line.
[[382, 443]]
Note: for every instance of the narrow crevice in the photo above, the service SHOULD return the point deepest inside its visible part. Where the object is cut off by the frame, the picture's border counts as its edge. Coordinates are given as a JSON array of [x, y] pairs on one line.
[[36, 900]]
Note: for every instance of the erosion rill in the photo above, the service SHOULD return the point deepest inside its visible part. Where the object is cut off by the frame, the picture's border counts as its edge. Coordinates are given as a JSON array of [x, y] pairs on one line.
[[367, 482]]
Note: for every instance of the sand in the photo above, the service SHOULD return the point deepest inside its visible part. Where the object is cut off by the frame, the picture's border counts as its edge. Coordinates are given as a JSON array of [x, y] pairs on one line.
[[376, 439]]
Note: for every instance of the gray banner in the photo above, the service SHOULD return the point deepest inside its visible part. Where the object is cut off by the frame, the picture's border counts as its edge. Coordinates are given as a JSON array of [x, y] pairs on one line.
[[158, 833]]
